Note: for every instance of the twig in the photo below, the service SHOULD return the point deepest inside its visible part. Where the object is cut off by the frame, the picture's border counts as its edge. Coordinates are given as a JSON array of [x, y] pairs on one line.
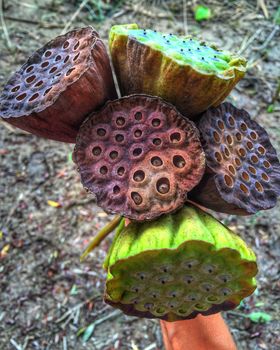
[[247, 43], [262, 5], [268, 39], [72, 19], [3, 24], [185, 17], [46, 25], [15, 344]]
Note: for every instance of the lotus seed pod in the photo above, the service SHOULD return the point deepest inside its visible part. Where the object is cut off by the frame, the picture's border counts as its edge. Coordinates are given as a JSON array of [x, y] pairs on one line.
[[183, 71], [244, 171], [178, 266], [139, 156], [59, 85]]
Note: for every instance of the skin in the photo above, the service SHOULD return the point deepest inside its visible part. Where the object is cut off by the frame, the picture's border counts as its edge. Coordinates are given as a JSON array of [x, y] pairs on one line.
[[202, 332]]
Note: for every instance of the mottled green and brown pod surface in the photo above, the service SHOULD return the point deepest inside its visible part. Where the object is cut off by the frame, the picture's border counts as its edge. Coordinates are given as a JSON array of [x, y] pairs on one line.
[[139, 156], [59, 85], [243, 169], [184, 71], [178, 266]]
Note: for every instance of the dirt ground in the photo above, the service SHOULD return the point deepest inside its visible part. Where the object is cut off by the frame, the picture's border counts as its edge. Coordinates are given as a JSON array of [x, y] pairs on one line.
[[47, 297]]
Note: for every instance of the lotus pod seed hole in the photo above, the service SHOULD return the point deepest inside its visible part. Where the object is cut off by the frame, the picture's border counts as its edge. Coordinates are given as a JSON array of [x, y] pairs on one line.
[[266, 164], [228, 180], [138, 133], [245, 176], [31, 79], [216, 137], [231, 121], [15, 89], [139, 176], [58, 58], [48, 53], [66, 59], [138, 116], [137, 152], [66, 44], [265, 177], [258, 187], [229, 140], [221, 125], [252, 170], [96, 151], [113, 155], [242, 152], [163, 185], [238, 136], [226, 291], [101, 132], [156, 122], [69, 71], [45, 64], [21, 97], [119, 138], [103, 170], [179, 161], [136, 197], [243, 127], [120, 121], [156, 161], [39, 83], [253, 135], [188, 279], [226, 152], [218, 157], [157, 141], [175, 137], [54, 69], [47, 91], [244, 188], [231, 169], [76, 57], [237, 162], [33, 97], [76, 45], [250, 145], [116, 189], [29, 69], [121, 171], [254, 159], [261, 150], [212, 299]]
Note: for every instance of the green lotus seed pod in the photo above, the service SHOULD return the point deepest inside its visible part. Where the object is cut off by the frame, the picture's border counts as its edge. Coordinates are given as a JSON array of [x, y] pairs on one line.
[[178, 266], [184, 71]]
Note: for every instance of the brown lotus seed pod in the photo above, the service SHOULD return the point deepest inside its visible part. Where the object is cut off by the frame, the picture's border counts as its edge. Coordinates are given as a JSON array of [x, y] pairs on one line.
[[139, 156], [243, 174], [59, 86]]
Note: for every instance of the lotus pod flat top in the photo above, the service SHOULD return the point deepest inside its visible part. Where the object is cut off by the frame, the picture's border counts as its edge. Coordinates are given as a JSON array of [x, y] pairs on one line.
[[178, 266], [47, 73], [190, 74], [139, 156], [239, 153], [185, 50]]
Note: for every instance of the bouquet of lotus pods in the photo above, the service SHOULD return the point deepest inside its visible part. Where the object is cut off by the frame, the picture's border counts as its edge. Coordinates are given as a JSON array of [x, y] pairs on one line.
[[166, 142]]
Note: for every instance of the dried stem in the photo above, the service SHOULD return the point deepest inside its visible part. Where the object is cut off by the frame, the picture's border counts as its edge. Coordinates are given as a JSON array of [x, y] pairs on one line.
[[103, 233]]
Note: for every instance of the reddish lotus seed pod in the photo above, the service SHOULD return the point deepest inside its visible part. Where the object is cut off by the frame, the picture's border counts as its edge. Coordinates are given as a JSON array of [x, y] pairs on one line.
[[139, 156], [59, 86], [243, 174]]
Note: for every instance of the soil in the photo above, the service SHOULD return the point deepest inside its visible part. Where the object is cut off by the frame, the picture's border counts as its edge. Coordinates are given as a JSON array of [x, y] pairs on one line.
[[47, 297]]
